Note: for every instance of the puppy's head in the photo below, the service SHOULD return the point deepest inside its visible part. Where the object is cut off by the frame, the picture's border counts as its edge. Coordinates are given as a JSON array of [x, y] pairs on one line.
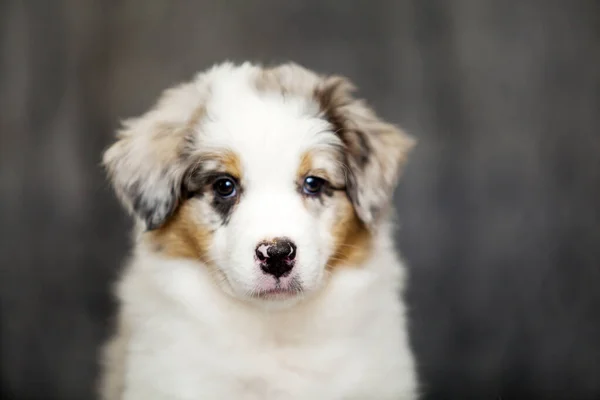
[[268, 178]]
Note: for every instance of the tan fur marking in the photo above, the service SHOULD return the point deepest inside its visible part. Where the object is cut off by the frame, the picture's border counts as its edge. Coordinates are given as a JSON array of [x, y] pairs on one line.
[[352, 238], [182, 236], [227, 161], [231, 164], [305, 166]]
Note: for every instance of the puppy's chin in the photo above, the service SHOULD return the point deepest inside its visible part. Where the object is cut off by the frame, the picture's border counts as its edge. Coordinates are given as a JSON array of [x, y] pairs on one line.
[[284, 294], [276, 303]]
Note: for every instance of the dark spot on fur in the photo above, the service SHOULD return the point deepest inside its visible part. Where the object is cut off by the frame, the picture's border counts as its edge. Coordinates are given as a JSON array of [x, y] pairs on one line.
[[194, 180], [332, 103], [154, 210], [361, 148], [199, 181], [374, 209], [224, 207], [329, 103], [158, 247], [351, 188]]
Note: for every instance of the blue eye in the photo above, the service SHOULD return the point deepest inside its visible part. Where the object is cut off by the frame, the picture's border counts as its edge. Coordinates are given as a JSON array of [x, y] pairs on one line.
[[225, 188], [313, 185]]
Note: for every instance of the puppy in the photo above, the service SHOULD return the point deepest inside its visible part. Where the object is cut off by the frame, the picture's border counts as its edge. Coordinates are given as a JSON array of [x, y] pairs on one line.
[[263, 265]]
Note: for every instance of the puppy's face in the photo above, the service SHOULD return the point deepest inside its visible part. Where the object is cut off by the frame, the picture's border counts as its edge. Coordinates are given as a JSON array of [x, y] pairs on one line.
[[269, 179]]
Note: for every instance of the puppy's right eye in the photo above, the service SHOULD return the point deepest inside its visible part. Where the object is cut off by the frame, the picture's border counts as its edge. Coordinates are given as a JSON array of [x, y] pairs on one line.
[[225, 188]]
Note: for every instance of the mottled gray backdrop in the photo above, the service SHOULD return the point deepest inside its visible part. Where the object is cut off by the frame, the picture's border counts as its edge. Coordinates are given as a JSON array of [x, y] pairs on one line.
[[500, 205]]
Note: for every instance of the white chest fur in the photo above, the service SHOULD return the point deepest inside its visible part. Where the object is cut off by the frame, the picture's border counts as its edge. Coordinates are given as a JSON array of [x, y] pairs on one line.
[[186, 340]]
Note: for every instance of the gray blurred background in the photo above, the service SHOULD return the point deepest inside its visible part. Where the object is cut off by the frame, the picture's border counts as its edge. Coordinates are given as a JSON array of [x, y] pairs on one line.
[[500, 204]]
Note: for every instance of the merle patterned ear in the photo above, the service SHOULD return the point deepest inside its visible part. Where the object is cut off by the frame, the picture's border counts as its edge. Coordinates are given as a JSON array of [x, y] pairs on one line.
[[375, 150], [146, 174], [148, 162]]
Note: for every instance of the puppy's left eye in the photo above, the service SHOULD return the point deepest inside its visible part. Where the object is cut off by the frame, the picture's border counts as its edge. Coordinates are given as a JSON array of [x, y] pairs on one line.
[[313, 185], [225, 188]]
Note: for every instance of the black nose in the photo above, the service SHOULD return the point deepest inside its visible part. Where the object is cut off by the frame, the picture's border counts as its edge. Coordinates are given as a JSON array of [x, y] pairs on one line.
[[276, 256]]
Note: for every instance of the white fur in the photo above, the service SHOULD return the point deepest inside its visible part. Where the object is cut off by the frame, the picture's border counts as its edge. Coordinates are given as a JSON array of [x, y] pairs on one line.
[[189, 340], [190, 336], [269, 134]]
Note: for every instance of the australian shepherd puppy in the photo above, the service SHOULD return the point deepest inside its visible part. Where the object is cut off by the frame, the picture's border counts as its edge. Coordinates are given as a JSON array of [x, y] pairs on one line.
[[264, 264]]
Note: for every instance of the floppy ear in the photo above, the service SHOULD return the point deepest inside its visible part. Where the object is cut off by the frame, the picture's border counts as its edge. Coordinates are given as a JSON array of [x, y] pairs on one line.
[[375, 150], [148, 162]]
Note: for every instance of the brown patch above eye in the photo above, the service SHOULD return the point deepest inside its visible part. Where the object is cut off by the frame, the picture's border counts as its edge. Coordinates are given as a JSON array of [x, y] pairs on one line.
[[182, 236], [231, 164], [352, 239], [305, 166], [211, 164], [225, 161]]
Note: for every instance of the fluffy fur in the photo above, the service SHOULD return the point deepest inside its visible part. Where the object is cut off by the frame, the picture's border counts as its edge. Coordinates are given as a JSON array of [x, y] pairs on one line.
[[199, 318]]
